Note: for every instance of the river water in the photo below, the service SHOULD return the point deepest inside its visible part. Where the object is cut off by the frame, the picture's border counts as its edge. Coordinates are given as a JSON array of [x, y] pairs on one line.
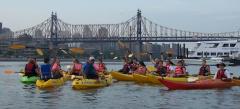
[[120, 95]]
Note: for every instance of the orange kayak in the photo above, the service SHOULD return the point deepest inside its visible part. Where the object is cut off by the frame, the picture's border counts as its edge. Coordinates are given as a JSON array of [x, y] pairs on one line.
[[202, 84]]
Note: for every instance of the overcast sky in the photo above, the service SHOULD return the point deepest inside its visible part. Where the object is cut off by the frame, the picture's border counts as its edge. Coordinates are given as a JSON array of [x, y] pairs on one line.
[[192, 15]]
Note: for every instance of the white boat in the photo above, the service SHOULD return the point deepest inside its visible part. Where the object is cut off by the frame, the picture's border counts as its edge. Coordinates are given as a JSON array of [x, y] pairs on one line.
[[210, 61], [213, 52], [216, 49]]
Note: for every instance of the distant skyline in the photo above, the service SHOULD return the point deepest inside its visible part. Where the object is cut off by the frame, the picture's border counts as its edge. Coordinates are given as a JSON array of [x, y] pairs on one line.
[[191, 15]]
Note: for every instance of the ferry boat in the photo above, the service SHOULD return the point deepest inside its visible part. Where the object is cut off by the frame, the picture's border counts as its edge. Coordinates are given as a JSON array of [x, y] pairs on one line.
[[214, 52], [213, 49]]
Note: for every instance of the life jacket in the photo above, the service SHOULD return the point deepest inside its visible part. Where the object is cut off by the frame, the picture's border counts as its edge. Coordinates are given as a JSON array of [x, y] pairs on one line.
[[56, 67], [162, 70], [77, 68], [168, 68], [101, 67], [126, 68], [221, 74], [46, 70], [141, 70], [133, 66], [30, 68], [179, 70], [203, 70]]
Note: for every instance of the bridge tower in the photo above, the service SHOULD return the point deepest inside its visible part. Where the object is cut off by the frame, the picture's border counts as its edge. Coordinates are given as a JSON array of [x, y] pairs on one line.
[[139, 31], [53, 35], [54, 30]]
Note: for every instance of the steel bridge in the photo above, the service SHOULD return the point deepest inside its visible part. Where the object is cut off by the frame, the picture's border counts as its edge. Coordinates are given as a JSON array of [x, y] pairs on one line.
[[136, 29]]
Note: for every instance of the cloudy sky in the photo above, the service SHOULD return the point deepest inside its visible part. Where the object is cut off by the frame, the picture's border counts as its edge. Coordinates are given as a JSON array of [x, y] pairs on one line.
[[193, 15]]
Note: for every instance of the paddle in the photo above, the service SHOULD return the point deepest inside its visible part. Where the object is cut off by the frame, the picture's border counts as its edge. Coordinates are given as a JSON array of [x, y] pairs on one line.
[[39, 51], [10, 71]]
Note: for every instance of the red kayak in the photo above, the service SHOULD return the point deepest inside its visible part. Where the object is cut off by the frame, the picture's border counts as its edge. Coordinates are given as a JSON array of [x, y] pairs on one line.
[[202, 84]]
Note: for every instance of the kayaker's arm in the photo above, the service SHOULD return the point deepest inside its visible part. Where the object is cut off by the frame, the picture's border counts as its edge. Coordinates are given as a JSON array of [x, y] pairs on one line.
[[151, 59], [228, 74], [215, 76]]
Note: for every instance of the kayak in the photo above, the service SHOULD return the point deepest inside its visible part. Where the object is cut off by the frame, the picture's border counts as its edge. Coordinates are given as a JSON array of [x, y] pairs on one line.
[[28, 80], [140, 78], [154, 79], [121, 77], [51, 83], [151, 68], [80, 84], [236, 82], [201, 84]]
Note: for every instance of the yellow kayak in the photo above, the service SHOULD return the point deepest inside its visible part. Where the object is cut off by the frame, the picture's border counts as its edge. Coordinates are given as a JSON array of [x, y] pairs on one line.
[[81, 84], [121, 77], [140, 78], [51, 83], [151, 68], [154, 79], [68, 77]]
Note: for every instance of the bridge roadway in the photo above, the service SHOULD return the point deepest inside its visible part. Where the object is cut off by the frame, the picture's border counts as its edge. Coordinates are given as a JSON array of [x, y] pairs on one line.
[[134, 39]]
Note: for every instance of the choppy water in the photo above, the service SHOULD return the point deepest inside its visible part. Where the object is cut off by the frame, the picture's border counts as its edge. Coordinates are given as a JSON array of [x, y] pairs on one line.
[[120, 95]]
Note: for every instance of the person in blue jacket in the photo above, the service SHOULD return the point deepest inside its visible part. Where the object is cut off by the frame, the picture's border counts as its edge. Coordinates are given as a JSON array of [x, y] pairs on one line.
[[46, 70], [89, 70]]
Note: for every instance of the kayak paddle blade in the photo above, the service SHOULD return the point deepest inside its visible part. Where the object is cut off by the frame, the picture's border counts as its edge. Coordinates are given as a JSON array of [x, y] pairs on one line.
[[39, 52], [17, 46], [77, 50]]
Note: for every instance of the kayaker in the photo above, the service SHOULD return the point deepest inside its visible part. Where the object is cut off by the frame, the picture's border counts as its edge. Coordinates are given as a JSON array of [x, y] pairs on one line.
[[155, 61], [205, 69], [77, 68], [56, 69], [133, 65], [89, 70], [161, 69], [36, 65], [126, 66], [180, 70], [142, 69], [46, 70], [53, 61], [169, 65], [222, 73], [30, 68], [100, 66]]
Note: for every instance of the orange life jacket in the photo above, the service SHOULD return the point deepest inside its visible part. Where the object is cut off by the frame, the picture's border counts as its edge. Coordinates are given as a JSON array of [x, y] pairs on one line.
[[179, 70], [101, 67], [56, 67], [77, 68]]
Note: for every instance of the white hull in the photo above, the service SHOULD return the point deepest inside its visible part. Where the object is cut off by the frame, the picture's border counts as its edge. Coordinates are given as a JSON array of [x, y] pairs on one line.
[[199, 61]]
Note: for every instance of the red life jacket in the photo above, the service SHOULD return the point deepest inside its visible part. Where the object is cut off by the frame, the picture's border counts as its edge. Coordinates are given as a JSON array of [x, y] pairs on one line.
[[221, 74], [179, 70], [29, 68], [101, 67], [203, 70], [77, 68]]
